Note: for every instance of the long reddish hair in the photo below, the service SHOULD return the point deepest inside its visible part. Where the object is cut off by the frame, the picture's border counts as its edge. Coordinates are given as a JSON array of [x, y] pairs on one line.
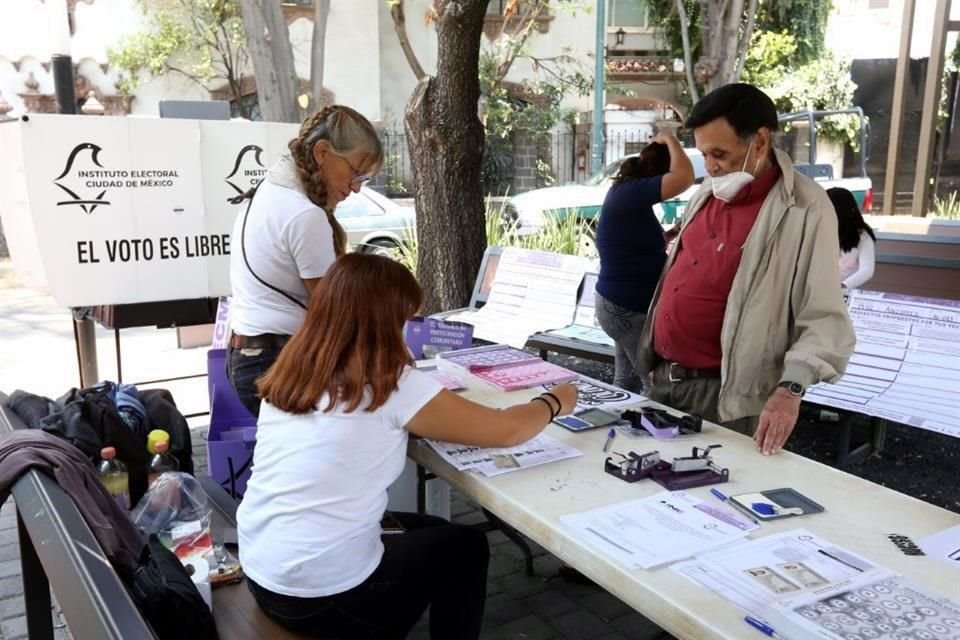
[[351, 340]]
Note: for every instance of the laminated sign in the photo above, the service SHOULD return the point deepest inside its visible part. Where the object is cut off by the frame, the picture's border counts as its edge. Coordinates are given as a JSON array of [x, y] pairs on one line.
[[114, 210]]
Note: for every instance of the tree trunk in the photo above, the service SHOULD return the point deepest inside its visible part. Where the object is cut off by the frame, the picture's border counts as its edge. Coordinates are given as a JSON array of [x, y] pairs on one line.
[[446, 147], [723, 26], [268, 42], [317, 50]]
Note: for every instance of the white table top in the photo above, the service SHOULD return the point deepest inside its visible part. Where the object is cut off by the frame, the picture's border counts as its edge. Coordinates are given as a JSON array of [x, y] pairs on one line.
[[859, 515]]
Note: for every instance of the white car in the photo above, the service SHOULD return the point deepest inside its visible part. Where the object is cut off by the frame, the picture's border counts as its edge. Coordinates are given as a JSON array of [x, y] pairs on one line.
[[375, 223], [529, 210]]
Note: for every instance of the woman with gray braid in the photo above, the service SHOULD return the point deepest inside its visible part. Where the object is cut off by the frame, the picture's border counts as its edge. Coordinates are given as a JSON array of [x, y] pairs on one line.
[[286, 237]]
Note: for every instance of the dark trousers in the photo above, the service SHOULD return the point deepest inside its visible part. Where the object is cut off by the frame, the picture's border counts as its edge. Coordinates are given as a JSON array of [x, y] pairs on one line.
[[244, 367], [434, 563]]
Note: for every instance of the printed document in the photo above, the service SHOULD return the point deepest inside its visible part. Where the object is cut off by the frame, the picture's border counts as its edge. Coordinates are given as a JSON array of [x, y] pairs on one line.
[[653, 531]]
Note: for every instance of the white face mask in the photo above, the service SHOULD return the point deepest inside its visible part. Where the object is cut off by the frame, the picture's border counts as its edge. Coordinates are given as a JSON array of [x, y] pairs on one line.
[[726, 187]]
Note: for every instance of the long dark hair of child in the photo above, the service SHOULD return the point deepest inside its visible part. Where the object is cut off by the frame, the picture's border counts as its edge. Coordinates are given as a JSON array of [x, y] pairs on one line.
[[654, 160], [351, 341], [850, 221]]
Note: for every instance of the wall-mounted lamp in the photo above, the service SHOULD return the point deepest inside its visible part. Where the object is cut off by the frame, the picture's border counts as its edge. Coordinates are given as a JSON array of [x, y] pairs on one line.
[[621, 35]]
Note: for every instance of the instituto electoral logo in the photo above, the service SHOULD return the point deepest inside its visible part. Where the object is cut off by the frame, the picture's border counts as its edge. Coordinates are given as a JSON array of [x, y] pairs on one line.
[[248, 169], [86, 181], [72, 182]]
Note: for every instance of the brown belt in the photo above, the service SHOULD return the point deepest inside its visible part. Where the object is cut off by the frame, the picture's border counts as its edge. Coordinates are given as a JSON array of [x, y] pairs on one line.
[[676, 372], [262, 341]]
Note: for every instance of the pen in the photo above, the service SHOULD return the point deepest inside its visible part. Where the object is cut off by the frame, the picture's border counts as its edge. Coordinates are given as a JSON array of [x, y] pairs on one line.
[[610, 436], [720, 495], [840, 560], [762, 627]]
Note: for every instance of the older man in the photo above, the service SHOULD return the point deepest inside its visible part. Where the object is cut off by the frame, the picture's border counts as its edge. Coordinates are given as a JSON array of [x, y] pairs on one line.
[[748, 312]]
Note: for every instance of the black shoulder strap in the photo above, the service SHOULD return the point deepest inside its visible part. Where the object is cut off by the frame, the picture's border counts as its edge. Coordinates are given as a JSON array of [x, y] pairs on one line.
[[249, 194]]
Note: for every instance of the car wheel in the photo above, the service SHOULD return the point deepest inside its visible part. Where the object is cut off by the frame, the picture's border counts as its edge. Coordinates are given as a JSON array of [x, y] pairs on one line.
[[386, 248]]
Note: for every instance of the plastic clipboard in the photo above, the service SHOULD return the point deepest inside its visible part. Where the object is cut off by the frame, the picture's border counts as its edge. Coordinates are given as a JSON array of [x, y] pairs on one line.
[[785, 503]]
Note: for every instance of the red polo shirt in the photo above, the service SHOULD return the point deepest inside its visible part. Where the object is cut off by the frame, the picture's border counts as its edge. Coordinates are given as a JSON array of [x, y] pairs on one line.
[[689, 316]]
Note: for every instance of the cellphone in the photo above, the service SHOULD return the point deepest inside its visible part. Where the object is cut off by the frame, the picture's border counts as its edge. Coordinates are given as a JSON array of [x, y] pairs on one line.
[[389, 524], [587, 419]]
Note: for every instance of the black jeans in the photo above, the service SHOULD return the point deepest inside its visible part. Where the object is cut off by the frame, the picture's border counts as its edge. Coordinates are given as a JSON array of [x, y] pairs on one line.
[[433, 563], [244, 367]]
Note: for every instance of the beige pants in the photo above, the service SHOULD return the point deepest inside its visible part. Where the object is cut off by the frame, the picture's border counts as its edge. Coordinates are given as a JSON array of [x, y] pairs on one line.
[[696, 395]]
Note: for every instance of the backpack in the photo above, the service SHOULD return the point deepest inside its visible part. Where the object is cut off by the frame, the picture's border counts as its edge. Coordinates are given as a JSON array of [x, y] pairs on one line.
[[167, 597]]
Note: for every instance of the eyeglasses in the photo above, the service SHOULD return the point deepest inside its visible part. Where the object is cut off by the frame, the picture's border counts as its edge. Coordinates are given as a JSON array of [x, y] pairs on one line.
[[358, 176]]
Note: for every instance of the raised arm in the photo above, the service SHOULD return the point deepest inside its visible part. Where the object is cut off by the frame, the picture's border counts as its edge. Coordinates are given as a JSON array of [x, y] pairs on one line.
[[451, 418], [680, 176]]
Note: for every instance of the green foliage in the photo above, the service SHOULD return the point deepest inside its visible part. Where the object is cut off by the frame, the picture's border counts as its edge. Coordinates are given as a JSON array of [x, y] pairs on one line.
[[203, 40], [947, 207], [532, 107], [822, 84], [768, 58], [804, 20]]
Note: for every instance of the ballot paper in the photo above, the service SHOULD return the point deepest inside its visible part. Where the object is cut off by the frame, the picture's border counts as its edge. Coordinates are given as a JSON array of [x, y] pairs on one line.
[[805, 587], [664, 528], [541, 449]]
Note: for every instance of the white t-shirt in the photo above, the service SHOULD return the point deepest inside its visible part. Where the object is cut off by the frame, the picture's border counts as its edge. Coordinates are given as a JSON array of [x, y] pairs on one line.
[[857, 265], [287, 239], [309, 523]]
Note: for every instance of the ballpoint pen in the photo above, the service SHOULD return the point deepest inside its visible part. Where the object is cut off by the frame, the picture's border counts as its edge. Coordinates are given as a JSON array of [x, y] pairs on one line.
[[723, 498], [762, 627], [610, 436]]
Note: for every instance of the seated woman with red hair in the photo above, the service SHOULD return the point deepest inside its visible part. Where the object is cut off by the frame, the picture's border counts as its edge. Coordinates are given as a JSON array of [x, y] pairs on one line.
[[338, 406]]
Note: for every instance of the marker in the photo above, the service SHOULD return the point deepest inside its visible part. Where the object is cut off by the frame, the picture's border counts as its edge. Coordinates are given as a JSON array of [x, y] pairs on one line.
[[840, 560], [719, 495], [762, 627], [610, 436]]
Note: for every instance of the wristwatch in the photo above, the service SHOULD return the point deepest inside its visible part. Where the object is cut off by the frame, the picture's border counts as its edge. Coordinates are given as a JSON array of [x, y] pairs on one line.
[[794, 388]]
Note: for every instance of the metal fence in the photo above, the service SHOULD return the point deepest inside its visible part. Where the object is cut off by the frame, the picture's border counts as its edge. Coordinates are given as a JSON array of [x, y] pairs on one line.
[[561, 158]]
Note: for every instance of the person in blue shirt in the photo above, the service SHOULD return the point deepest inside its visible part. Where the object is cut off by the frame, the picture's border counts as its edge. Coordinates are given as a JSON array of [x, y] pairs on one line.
[[632, 247]]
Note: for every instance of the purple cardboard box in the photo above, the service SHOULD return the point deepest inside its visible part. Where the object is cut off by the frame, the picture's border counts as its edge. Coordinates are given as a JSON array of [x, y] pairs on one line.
[[426, 337], [233, 429]]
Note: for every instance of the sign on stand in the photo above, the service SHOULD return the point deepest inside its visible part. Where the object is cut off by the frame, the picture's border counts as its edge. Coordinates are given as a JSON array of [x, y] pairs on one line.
[[115, 210]]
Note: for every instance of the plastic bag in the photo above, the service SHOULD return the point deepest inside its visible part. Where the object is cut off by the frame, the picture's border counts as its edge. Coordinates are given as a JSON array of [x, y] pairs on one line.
[[176, 510]]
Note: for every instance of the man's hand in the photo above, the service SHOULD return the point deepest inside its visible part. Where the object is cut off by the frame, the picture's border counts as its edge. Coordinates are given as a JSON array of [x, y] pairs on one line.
[[777, 421]]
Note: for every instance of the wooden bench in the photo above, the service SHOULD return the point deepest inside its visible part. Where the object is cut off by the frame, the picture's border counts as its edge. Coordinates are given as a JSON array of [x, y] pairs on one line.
[[58, 552]]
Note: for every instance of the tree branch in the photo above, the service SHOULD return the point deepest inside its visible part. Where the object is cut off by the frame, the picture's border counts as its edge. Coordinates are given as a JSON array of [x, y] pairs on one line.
[[687, 56], [400, 26], [317, 51], [745, 42], [528, 23]]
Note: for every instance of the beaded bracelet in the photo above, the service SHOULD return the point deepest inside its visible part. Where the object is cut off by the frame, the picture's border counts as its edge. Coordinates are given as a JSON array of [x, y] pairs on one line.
[[553, 414]]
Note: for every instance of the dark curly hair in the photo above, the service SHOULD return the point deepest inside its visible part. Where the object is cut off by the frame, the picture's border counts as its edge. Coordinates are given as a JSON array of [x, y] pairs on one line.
[[653, 160]]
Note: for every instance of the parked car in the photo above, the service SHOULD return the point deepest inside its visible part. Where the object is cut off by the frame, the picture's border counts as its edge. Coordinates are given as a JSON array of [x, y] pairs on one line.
[[373, 222], [529, 210]]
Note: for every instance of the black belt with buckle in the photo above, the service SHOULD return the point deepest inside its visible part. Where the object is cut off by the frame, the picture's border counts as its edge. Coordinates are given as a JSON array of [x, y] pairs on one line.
[[262, 341], [676, 372]]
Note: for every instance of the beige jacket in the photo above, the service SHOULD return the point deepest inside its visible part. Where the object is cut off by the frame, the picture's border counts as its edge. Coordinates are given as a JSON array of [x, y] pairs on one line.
[[785, 317]]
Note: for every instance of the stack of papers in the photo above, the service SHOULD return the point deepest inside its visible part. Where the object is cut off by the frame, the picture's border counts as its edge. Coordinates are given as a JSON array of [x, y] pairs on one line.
[[497, 461], [585, 327], [661, 529], [533, 291], [805, 587]]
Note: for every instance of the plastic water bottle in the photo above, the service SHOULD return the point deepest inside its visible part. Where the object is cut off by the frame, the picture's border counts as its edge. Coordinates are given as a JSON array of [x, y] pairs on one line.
[[113, 475], [161, 462]]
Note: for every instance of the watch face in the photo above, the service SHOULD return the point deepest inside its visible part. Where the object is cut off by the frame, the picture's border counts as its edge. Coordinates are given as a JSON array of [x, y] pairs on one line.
[[793, 387]]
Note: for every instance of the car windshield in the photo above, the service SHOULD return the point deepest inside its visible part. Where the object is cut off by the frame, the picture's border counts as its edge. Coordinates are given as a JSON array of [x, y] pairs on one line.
[[696, 158]]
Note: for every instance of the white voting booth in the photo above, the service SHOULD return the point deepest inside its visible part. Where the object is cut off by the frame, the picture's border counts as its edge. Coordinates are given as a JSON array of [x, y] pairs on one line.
[[118, 210]]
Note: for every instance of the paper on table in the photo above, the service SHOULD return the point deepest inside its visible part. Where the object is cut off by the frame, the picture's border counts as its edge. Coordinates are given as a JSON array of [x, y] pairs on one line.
[[593, 394], [906, 364], [653, 531], [944, 545], [755, 573], [496, 461], [533, 291]]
